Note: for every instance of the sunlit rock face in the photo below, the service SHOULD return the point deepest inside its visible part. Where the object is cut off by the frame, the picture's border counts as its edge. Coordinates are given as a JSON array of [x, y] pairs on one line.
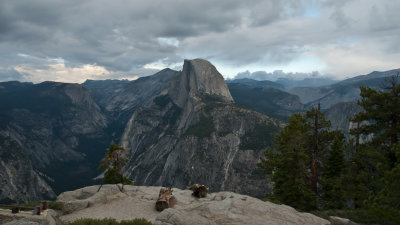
[[198, 77]]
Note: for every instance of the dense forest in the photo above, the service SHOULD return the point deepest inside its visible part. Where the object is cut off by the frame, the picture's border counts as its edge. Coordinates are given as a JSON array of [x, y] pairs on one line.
[[314, 168]]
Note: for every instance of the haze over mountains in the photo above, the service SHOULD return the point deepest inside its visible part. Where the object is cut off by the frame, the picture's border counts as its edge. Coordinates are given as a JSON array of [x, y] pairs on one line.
[[179, 128]]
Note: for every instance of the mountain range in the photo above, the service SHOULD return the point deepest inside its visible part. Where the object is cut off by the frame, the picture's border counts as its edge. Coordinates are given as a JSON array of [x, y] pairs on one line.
[[178, 127]]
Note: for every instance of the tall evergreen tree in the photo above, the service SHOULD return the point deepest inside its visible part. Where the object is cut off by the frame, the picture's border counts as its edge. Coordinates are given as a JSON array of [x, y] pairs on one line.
[[289, 166], [319, 141], [333, 191], [381, 115], [381, 120], [295, 166]]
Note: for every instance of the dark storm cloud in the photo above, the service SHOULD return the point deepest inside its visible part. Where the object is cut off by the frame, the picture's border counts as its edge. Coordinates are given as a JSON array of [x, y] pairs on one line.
[[125, 36], [120, 35]]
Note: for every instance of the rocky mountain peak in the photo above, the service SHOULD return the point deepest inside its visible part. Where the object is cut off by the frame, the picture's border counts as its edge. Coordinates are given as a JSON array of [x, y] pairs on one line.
[[198, 77]]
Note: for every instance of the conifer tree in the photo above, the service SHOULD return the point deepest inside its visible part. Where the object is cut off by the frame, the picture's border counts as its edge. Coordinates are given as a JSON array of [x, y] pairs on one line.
[[381, 115], [112, 163], [333, 193], [289, 166], [295, 165], [319, 140], [381, 120]]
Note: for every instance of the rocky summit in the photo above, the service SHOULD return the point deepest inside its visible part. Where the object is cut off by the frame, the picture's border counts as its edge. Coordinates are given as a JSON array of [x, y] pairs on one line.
[[195, 134], [198, 77], [216, 208]]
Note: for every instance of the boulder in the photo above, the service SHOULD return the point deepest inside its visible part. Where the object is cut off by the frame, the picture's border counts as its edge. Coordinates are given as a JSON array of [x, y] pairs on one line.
[[72, 206], [215, 208], [88, 196], [232, 208]]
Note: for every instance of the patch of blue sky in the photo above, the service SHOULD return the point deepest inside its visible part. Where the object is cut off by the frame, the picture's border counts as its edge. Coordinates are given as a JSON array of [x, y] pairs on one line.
[[168, 41], [312, 9]]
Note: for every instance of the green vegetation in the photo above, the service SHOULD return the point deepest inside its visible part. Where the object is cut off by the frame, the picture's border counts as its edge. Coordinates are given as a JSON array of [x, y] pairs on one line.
[[109, 222], [296, 168], [203, 128], [211, 102], [256, 139], [55, 205], [380, 118], [112, 162], [332, 176], [162, 100], [363, 216], [314, 168]]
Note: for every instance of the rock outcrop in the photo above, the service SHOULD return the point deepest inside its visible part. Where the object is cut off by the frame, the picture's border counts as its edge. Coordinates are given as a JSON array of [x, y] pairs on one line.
[[198, 77], [215, 208], [340, 115]]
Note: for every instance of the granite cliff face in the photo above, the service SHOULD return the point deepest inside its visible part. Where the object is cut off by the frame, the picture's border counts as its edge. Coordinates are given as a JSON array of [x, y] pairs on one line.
[[198, 77], [339, 115], [120, 98], [195, 134], [59, 128], [18, 180]]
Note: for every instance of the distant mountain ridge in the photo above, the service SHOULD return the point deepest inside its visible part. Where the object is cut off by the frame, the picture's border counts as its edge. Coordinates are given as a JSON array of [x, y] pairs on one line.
[[256, 83], [343, 91], [267, 100]]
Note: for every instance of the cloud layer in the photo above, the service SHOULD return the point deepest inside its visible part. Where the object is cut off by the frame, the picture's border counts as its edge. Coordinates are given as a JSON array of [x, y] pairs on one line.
[[74, 40]]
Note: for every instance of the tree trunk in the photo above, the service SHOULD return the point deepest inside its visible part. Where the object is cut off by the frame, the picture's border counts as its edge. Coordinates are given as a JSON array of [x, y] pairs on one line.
[[314, 154], [358, 136], [165, 199]]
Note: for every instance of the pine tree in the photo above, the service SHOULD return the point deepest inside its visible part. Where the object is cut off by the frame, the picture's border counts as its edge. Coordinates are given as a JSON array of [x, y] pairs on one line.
[[320, 139], [295, 166], [381, 115], [112, 163], [333, 193], [289, 166], [380, 156]]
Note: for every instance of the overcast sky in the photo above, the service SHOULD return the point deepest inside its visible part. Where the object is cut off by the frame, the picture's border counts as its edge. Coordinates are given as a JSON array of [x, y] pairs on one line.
[[75, 40]]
